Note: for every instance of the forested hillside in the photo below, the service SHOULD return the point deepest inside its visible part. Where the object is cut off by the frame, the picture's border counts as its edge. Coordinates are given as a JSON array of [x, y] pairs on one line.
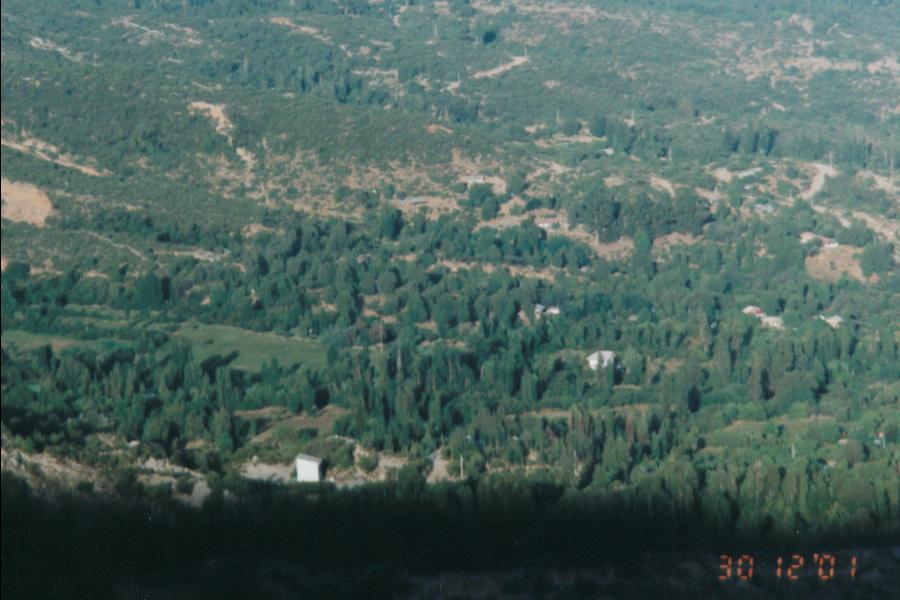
[[394, 235]]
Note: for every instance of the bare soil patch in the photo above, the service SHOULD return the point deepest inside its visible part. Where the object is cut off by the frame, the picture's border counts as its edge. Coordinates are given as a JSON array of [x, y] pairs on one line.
[[256, 470], [44, 472], [662, 185], [514, 62], [676, 238], [216, 113], [304, 29], [42, 44], [830, 264], [25, 203], [528, 272], [820, 172], [42, 150], [434, 128]]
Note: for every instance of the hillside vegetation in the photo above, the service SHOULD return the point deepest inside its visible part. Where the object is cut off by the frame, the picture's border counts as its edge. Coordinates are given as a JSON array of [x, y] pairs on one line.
[[391, 234]]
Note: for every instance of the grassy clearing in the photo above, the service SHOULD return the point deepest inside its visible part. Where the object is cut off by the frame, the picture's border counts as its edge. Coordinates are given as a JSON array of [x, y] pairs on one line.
[[253, 349], [25, 341]]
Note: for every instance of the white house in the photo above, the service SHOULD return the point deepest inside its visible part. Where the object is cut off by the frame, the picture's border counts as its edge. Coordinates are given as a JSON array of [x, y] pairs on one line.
[[807, 236], [540, 309], [772, 322], [308, 468], [766, 320], [834, 321], [753, 311], [600, 358]]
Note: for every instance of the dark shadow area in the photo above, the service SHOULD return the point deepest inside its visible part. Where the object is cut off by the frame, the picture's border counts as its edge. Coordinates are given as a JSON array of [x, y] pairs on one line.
[[385, 541]]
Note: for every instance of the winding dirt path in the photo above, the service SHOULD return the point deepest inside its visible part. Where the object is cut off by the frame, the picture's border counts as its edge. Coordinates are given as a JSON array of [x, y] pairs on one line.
[[499, 70]]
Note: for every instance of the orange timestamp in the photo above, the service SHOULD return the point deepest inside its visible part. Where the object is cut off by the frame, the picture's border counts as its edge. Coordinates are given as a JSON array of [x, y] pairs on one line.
[[823, 566]]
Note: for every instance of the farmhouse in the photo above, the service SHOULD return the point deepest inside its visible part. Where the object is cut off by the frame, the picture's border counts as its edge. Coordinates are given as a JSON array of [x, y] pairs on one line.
[[308, 468], [474, 179], [807, 237], [834, 321], [540, 309], [766, 320], [753, 311], [600, 358], [772, 322]]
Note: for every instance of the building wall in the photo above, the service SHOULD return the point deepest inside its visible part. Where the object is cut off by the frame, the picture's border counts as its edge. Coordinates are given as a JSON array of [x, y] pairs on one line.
[[307, 470]]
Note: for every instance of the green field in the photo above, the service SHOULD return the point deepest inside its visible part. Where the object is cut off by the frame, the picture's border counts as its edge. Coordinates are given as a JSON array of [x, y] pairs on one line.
[[27, 341], [253, 349]]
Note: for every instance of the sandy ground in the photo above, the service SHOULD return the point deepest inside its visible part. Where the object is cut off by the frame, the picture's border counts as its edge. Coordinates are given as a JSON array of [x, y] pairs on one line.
[[216, 113], [821, 171], [676, 238], [43, 471], [42, 44], [439, 466], [831, 263], [515, 270], [433, 128], [304, 29], [266, 472], [881, 182], [48, 152], [500, 69], [889, 229], [246, 156], [125, 247], [662, 185], [613, 181], [25, 203]]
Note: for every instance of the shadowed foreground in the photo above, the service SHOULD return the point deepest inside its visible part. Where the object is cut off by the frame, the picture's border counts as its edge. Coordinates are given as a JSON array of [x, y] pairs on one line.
[[377, 542]]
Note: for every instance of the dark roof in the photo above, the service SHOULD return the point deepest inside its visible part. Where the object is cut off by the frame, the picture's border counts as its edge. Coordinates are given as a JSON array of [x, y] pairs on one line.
[[308, 457]]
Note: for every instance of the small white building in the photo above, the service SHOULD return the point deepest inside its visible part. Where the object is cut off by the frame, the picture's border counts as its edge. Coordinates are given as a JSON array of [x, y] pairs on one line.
[[601, 358], [308, 468], [766, 320], [772, 322], [834, 321], [540, 309], [807, 237], [753, 311]]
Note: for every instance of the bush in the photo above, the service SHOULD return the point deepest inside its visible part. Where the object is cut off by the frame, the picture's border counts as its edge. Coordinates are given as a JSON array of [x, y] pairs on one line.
[[368, 463], [185, 486], [570, 127]]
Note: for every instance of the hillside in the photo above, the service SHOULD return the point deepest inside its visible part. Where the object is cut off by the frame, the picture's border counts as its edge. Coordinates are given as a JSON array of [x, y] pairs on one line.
[[391, 235]]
